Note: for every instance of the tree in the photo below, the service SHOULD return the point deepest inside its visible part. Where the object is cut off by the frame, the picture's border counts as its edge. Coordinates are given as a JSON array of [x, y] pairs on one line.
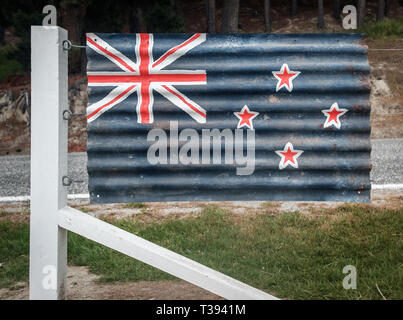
[[294, 7], [20, 14], [336, 9], [164, 16], [72, 15], [138, 21], [387, 8], [381, 10], [267, 16], [361, 12], [321, 19], [210, 6], [230, 16]]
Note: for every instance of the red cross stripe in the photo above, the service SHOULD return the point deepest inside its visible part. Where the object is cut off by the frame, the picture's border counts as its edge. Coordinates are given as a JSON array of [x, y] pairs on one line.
[[144, 76]]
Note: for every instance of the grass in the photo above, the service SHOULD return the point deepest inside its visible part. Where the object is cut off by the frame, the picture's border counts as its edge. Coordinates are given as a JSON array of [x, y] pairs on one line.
[[388, 28], [135, 205], [290, 255], [14, 250], [3, 213]]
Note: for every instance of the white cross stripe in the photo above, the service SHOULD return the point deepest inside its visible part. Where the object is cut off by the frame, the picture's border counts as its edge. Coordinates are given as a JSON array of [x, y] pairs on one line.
[[113, 51]]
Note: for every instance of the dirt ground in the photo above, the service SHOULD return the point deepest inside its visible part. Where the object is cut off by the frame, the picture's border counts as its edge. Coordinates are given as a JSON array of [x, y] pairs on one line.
[[82, 285], [157, 211], [386, 89]]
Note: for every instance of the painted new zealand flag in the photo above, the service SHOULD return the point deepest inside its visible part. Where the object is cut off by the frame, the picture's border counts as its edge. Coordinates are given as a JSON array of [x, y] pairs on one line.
[[178, 117]]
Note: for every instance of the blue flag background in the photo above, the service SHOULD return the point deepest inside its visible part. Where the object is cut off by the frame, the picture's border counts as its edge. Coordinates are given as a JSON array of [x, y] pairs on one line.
[[334, 165]]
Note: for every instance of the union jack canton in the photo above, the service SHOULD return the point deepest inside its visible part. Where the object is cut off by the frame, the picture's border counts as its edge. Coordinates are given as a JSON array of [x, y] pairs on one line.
[[145, 75]]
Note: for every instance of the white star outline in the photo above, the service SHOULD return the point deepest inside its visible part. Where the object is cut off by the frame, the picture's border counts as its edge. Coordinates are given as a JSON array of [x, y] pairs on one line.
[[335, 106], [237, 114], [282, 165], [291, 86]]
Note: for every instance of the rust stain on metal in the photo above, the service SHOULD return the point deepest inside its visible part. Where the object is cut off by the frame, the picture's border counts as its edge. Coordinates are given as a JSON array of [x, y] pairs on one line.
[[273, 99]]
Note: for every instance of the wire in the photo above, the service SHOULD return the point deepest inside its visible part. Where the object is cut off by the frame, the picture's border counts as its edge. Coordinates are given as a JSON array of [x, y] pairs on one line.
[[77, 46], [67, 45], [388, 49]]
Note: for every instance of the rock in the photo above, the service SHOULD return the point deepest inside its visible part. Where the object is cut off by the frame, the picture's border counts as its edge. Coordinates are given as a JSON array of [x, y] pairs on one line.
[[15, 112], [78, 96], [12, 107]]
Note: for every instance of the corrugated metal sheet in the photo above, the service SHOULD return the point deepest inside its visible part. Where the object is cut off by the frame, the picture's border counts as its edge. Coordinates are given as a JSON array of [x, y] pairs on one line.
[[334, 166]]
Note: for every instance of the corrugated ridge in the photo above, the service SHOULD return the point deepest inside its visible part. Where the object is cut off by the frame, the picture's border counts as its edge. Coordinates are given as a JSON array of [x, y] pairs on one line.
[[335, 164]]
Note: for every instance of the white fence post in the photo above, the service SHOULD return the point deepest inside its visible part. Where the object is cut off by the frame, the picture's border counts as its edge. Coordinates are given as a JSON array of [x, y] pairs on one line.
[[48, 241]]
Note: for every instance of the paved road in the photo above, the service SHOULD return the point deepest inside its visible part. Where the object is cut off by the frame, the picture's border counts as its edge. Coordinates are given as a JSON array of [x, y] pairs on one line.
[[15, 174], [387, 168], [387, 161]]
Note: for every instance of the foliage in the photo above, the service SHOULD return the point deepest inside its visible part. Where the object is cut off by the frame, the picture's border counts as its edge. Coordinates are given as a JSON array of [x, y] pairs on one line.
[[19, 15], [388, 28], [162, 17], [8, 64]]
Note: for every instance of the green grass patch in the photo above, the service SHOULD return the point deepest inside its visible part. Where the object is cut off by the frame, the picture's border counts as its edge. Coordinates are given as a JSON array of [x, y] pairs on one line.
[[3, 213], [388, 28], [290, 255], [135, 205], [14, 250]]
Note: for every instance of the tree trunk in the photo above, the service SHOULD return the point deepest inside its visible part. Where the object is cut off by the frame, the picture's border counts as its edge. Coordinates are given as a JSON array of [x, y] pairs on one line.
[[1, 35], [267, 16], [138, 24], [230, 16], [72, 19], [381, 10], [294, 7], [361, 12], [83, 55], [336, 9], [210, 8], [321, 19], [387, 8]]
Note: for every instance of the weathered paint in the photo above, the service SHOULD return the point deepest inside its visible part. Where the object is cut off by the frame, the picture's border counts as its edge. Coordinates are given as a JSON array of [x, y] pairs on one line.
[[334, 165]]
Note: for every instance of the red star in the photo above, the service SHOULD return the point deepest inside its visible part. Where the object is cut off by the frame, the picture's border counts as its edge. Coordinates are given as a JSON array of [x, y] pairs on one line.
[[245, 117], [285, 77], [333, 116], [288, 156]]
